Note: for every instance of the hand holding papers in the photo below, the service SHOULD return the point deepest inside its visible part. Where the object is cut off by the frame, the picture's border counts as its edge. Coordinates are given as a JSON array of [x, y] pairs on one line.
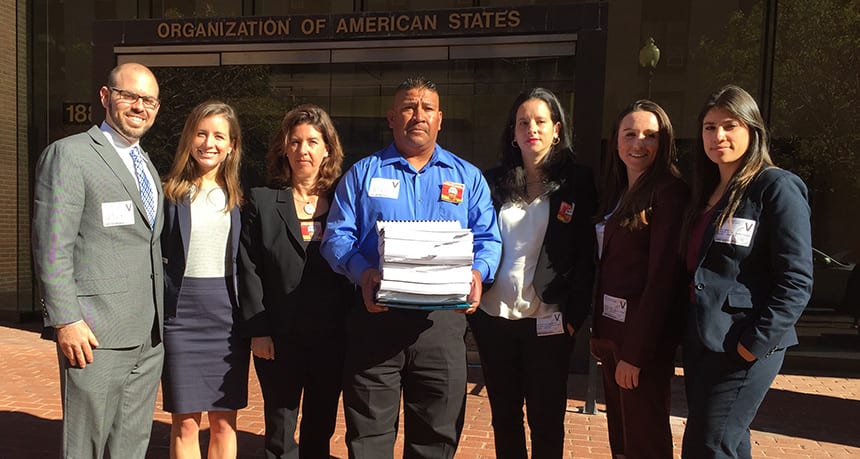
[[425, 265]]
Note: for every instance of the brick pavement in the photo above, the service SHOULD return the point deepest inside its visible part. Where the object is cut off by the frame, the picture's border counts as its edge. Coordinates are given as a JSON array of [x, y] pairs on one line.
[[803, 416]]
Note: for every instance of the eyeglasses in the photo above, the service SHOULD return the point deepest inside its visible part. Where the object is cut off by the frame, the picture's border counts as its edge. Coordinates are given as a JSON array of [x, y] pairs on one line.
[[131, 98]]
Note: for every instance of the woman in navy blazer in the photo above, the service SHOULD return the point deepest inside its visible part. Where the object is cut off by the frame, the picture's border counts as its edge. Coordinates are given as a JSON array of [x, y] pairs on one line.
[[639, 290], [293, 304], [749, 252], [206, 361], [541, 294]]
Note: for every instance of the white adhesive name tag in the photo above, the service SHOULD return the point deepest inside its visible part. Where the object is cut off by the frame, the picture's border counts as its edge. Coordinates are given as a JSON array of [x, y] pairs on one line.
[[117, 213], [384, 188], [737, 231], [550, 325], [614, 308]]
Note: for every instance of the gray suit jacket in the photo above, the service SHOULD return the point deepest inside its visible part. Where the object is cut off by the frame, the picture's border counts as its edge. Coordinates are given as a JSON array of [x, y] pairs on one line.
[[107, 273]]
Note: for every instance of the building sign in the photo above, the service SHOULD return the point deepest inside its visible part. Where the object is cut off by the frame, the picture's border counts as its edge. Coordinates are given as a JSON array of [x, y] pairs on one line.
[[365, 25]]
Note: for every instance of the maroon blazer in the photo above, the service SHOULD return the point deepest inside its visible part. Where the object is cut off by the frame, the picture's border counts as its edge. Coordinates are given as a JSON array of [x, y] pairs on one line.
[[645, 268]]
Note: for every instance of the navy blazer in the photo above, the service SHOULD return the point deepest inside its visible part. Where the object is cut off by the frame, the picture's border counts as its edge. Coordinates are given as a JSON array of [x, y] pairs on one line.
[[564, 274], [175, 237], [755, 294]]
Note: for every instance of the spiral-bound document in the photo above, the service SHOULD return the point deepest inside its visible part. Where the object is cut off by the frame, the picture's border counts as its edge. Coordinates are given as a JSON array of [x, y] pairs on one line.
[[424, 264]]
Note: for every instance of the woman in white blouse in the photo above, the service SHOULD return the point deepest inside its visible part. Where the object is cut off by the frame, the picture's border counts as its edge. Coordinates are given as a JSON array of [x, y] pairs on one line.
[[541, 295]]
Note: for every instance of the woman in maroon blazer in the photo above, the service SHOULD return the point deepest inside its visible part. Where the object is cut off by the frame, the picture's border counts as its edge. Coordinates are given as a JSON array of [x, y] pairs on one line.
[[639, 286]]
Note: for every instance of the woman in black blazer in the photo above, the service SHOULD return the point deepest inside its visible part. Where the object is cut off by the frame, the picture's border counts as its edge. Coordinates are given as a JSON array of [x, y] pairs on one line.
[[526, 319], [206, 360], [292, 303], [749, 252]]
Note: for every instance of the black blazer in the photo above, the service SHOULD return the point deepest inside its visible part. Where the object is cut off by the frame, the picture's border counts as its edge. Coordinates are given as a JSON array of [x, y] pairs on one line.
[[755, 294], [174, 250], [564, 274], [274, 261]]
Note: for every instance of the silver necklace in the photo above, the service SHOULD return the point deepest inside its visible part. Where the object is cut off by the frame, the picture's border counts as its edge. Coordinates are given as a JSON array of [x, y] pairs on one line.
[[310, 208]]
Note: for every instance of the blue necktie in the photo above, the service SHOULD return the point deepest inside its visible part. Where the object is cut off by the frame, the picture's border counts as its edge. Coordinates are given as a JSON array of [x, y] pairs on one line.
[[146, 194]]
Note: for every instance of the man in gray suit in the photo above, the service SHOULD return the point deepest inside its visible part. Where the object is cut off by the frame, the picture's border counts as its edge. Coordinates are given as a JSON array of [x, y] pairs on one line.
[[97, 251]]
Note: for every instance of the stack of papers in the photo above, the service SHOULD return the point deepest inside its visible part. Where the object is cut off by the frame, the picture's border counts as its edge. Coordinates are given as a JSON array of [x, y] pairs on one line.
[[424, 265]]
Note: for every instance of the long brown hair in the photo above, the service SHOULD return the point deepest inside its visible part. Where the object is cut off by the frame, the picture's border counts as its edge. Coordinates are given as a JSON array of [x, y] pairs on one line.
[[634, 206], [706, 173], [278, 164], [184, 176]]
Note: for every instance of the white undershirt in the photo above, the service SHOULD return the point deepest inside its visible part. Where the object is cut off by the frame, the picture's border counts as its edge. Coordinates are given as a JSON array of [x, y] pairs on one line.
[[600, 231], [522, 227], [122, 147], [210, 229]]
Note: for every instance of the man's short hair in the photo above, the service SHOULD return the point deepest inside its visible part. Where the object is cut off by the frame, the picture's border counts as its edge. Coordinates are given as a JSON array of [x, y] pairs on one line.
[[416, 82]]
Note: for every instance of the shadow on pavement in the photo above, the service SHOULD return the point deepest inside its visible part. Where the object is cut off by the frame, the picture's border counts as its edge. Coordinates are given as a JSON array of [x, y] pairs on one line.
[[812, 416], [30, 326], [795, 414], [24, 436]]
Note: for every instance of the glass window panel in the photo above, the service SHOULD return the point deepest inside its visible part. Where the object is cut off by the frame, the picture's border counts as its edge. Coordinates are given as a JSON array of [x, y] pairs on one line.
[[416, 5], [287, 7], [475, 96], [816, 92], [198, 8], [62, 65]]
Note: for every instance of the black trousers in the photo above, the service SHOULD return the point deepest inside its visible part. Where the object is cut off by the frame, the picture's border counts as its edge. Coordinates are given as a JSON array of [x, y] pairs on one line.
[[723, 395], [421, 354], [638, 419], [519, 367], [306, 370]]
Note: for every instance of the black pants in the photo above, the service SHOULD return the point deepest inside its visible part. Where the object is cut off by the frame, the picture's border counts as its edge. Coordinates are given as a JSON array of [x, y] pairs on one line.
[[638, 419], [520, 366], [419, 353], [723, 395], [313, 367]]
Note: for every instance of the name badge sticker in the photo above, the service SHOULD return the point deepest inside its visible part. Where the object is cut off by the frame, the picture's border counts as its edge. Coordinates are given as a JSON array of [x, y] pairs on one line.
[[550, 325], [119, 213], [737, 231], [452, 192], [384, 188], [565, 212], [614, 308]]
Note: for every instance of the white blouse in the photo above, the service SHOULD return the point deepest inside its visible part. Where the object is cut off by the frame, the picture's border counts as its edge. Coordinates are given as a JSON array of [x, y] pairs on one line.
[[522, 227], [210, 231]]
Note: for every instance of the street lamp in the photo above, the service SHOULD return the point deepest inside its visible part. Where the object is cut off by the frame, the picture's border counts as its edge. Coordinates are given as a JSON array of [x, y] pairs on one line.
[[649, 56]]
